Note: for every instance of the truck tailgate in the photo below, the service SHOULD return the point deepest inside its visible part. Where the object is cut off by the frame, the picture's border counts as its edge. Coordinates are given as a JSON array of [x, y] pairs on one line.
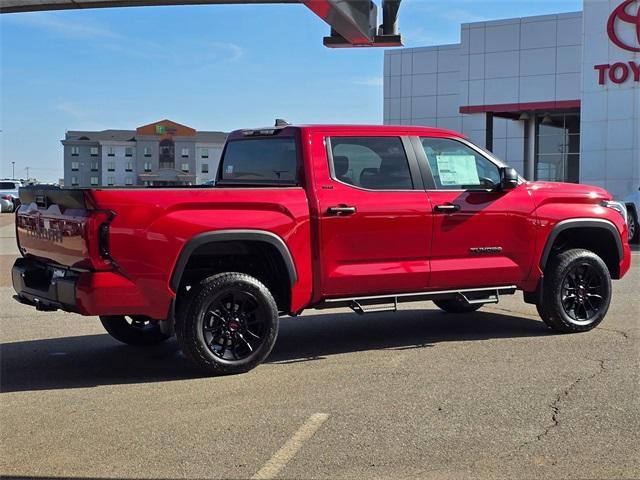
[[52, 226]]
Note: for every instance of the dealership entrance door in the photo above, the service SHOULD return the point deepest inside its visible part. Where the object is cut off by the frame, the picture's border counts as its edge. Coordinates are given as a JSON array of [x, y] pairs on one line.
[[557, 147]]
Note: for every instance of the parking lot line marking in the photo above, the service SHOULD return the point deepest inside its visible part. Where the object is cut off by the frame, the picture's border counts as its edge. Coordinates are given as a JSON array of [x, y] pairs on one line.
[[291, 447]]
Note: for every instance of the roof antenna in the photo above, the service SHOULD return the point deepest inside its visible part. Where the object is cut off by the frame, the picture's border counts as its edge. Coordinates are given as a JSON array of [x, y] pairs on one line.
[[281, 123]]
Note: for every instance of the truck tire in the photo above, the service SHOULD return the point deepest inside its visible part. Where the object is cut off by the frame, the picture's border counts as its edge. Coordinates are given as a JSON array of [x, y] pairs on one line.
[[455, 305], [229, 323], [634, 231], [134, 330], [576, 292]]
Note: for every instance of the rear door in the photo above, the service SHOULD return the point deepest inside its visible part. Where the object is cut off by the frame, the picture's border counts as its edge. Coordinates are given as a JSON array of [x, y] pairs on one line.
[[374, 216], [482, 236]]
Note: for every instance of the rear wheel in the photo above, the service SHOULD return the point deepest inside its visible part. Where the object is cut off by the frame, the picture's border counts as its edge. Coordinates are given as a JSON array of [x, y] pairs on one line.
[[229, 323], [456, 305], [576, 292], [133, 330]]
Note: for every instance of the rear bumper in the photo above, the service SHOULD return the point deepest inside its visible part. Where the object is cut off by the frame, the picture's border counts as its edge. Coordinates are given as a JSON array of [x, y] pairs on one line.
[[88, 293]]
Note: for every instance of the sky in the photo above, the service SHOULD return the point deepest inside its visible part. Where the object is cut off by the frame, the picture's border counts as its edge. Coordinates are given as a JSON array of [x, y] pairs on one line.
[[217, 67]]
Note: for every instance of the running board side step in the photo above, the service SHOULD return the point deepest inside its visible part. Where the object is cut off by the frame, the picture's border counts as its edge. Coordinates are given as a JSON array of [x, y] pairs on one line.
[[389, 303]]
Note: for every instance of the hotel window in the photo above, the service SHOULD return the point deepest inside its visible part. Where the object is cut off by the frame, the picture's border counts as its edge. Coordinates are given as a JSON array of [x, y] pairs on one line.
[[94, 151], [75, 151], [75, 166], [147, 152], [205, 168], [128, 181], [185, 167], [94, 166], [111, 166], [204, 153], [147, 166], [185, 153], [94, 181], [74, 181], [128, 152], [111, 181], [111, 152], [128, 167], [558, 147]]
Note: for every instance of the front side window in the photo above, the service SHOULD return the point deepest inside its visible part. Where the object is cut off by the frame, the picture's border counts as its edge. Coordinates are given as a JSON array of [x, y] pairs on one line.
[[374, 163], [260, 161], [455, 166]]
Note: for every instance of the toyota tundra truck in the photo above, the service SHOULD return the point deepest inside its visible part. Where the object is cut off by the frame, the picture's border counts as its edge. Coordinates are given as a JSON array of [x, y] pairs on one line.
[[318, 216]]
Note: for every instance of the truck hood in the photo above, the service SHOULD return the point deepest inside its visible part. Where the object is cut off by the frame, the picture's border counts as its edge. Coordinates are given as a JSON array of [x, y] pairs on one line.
[[569, 190]]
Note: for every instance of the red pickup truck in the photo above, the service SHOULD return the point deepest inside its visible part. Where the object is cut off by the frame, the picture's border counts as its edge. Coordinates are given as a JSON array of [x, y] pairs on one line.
[[315, 217]]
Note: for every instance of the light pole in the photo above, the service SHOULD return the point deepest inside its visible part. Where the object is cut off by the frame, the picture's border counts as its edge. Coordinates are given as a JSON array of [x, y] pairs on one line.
[[13, 170]]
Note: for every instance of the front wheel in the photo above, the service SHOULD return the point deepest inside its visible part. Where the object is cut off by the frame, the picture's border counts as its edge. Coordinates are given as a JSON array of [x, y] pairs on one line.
[[576, 292], [634, 232], [133, 330], [229, 323]]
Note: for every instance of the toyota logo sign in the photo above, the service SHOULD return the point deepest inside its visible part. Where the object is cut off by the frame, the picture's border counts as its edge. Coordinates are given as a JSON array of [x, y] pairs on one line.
[[628, 12]]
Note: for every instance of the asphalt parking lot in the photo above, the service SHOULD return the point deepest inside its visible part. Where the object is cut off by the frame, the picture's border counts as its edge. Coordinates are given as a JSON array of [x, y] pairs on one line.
[[417, 394]]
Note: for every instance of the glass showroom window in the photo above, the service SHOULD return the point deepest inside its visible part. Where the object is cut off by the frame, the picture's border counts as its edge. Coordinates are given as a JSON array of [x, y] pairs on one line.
[[75, 151], [94, 151], [558, 147], [75, 166]]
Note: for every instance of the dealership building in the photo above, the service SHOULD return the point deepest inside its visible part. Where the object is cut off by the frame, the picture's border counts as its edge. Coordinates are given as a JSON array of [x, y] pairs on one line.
[[161, 153], [556, 96]]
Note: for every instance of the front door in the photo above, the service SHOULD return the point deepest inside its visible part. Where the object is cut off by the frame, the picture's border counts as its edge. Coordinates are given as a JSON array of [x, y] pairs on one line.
[[482, 236], [374, 217]]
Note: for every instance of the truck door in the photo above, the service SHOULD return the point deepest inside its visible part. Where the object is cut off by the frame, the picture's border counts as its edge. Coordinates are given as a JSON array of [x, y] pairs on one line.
[[374, 216], [482, 236]]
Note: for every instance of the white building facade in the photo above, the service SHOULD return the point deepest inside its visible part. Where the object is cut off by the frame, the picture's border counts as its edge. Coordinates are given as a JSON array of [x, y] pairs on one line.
[[555, 96]]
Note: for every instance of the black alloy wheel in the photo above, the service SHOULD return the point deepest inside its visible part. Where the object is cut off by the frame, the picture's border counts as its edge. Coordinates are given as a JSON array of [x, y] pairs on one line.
[[228, 323]]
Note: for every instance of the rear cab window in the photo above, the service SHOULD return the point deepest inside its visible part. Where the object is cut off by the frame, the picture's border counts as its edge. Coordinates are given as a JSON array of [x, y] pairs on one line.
[[260, 160], [373, 163]]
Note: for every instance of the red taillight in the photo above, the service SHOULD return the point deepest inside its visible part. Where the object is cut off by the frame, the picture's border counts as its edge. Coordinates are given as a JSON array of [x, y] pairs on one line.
[[6, 197], [97, 240]]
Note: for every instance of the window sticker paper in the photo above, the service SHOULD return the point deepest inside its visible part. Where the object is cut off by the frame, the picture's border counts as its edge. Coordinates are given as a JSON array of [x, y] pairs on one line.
[[457, 170]]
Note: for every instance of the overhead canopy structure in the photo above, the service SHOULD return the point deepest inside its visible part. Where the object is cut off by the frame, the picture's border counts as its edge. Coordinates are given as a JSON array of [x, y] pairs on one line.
[[354, 23]]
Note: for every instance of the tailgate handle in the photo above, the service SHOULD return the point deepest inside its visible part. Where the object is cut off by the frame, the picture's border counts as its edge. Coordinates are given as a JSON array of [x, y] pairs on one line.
[[341, 210]]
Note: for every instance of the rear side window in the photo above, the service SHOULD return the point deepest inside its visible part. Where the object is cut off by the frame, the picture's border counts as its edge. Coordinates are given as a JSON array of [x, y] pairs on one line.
[[374, 163], [7, 186], [456, 166], [260, 160]]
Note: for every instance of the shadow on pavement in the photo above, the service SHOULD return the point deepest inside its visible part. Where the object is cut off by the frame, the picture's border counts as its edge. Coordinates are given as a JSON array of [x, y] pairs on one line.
[[93, 360]]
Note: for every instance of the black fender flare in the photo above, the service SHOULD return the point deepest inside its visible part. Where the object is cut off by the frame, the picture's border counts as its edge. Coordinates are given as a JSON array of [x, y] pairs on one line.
[[580, 223], [227, 236]]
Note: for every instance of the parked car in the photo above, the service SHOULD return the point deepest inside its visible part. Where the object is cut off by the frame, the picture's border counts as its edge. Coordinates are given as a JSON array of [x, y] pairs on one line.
[[319, 217], [9, 198], [632, 202]]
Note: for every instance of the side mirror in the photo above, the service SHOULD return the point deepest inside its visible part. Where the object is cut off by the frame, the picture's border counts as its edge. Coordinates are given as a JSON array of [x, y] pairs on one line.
[[508, 178]]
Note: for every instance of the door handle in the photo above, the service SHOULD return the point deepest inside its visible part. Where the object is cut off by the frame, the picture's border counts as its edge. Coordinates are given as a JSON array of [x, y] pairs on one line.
[[341, 210], [447, 208]]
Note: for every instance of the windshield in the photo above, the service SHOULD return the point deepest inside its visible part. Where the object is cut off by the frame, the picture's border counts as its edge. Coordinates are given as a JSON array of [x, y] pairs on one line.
[[260, 161]]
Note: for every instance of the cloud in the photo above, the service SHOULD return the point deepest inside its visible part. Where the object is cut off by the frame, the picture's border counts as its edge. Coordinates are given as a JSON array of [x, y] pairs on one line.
[[64, 26], [236, 51], [376, 81]]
